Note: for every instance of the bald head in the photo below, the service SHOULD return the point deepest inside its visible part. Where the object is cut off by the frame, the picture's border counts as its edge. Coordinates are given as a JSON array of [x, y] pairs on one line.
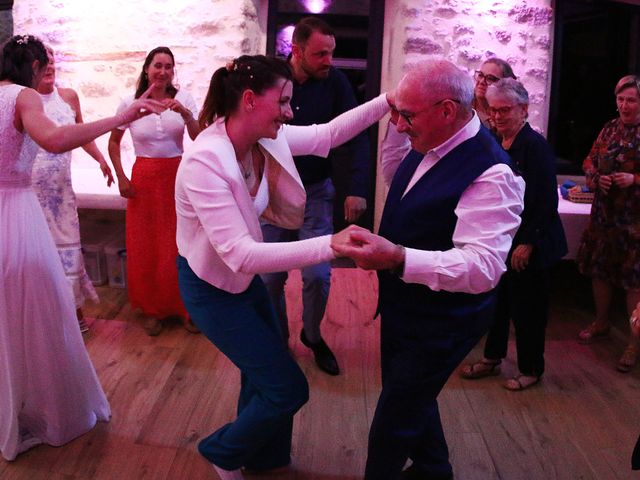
[[434, 100]]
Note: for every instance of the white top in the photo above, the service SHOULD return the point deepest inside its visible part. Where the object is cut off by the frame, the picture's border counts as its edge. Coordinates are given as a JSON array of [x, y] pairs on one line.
[[159, 136], [488, 217], [218, 230]]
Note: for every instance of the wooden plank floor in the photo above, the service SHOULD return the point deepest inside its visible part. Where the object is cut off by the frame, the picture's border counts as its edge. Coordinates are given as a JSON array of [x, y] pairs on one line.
[[167, 392]]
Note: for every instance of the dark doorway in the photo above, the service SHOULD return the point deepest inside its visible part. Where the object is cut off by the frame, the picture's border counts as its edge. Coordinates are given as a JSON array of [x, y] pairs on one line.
[[596, 43], [358, 54]]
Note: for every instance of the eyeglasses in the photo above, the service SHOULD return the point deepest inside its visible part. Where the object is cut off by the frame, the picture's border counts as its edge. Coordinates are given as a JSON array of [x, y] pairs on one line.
[[409, 116], [488, 78], [501, 110]]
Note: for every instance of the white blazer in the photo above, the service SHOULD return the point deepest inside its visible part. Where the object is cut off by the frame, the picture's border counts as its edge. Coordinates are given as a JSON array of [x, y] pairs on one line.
[[218, 228]]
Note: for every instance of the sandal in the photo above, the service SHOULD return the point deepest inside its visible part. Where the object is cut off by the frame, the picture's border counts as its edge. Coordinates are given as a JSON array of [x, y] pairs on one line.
[[593, 332], [628, 359], [481, 369], [521, 382], [190, 326], [153, 326]]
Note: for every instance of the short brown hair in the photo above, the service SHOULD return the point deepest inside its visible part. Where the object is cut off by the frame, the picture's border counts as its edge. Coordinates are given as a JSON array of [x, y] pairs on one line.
[[306, 26]]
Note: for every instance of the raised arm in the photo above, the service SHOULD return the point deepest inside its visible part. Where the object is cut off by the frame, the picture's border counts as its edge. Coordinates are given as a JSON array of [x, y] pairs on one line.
[[394, 148], [319, 139], [30, 117]]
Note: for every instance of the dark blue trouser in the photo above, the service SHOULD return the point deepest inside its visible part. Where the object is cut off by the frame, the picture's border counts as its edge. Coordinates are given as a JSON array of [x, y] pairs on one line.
[[316, 279], [244, 327], [523, 297], [418, 356]]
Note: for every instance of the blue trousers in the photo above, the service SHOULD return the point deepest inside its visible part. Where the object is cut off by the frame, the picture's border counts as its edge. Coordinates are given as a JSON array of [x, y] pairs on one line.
[[418, 355], [244, 328], [316, 279]]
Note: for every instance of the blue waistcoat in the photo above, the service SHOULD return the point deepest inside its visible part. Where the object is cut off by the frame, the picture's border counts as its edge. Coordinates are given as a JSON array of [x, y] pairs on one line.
[[425, 219]]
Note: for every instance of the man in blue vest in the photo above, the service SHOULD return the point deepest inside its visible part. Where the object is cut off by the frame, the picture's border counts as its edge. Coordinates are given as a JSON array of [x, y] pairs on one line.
[[320, 93], [449, 219]]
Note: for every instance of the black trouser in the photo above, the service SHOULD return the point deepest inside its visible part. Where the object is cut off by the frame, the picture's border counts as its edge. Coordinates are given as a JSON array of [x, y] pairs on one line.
[[523, 297]]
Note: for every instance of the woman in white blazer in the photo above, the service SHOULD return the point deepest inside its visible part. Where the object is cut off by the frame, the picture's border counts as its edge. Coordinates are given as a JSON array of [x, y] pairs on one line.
[[240, 168]]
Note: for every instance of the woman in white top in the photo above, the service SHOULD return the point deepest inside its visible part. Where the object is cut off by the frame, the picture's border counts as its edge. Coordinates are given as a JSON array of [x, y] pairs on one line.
[[49, 392], [152, 278], [51, 180], [240, 168]]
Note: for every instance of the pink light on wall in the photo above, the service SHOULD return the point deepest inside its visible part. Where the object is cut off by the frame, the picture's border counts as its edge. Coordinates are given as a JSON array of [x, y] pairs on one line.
[[316, 6]]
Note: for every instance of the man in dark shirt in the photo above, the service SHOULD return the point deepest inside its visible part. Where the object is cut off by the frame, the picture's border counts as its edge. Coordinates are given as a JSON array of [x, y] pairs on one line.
[[320, 93]]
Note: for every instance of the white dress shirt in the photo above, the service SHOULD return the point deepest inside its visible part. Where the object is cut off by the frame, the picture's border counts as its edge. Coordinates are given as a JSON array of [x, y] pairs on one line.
[[159, 136], [488, 215], [218, 230]]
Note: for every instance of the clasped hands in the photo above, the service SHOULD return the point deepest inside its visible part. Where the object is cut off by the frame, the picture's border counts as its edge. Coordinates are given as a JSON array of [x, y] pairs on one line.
[[144, 106], [619, 179], [368, 250]]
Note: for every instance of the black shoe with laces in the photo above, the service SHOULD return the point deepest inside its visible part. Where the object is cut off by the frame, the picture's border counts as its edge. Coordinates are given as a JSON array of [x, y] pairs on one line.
[[325, 359]]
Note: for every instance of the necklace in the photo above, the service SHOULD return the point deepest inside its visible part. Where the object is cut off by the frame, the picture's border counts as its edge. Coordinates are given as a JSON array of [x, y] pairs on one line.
[[246, 165]]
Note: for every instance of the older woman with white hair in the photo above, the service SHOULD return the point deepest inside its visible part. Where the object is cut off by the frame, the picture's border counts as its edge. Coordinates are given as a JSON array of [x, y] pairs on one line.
[[523, 292]]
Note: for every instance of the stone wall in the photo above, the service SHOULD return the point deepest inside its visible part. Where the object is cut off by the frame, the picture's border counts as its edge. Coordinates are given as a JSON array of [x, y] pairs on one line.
[[100, 46], [467, 32]]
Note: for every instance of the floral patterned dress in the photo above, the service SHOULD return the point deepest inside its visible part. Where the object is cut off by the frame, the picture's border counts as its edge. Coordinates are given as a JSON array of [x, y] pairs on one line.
[[51, 180], [610, 246]]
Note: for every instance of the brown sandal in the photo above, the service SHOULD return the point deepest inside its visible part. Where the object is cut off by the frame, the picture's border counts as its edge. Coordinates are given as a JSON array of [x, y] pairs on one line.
[[592, 332], [521, 382], [481, 369]]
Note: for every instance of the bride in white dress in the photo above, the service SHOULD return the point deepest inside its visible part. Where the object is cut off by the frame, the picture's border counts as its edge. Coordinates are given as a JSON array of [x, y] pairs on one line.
[[49, 391]]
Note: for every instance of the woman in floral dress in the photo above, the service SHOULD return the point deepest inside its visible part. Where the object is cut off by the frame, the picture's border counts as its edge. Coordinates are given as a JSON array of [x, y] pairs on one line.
[[610, 249], [51, 180]]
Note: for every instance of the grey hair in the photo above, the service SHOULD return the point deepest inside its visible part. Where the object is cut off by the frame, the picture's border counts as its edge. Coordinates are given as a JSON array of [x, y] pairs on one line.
[[628, 81], [509, 88], [441, 79]]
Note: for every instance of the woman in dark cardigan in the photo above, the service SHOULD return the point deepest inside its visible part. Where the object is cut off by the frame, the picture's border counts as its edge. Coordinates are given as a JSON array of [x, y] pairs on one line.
[[539, 243]]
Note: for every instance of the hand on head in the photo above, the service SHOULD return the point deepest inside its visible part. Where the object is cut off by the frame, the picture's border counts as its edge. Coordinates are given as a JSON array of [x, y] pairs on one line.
[[391, 100]]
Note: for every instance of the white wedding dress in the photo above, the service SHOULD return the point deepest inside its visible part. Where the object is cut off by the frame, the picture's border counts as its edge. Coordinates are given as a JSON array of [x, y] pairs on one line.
[[49, 391]]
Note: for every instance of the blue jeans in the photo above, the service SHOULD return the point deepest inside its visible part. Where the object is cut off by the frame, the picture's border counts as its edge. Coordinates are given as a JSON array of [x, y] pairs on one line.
[[316, 279], [245, 329]]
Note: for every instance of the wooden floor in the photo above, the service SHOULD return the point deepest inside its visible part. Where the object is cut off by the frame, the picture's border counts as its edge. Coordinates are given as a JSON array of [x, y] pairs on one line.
[[166, 392]]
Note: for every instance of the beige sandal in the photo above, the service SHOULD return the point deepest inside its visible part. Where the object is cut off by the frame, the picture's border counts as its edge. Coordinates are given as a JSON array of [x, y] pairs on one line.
[[628, 359], [593, 332], [521, 382], [481, 369]]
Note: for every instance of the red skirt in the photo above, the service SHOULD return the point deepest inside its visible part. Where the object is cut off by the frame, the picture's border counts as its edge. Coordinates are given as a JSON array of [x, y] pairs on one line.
[[151, 238]]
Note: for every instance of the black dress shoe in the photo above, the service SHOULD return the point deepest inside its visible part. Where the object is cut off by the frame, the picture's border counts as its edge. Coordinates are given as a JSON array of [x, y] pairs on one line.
[[412, 473], [325, 359]]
